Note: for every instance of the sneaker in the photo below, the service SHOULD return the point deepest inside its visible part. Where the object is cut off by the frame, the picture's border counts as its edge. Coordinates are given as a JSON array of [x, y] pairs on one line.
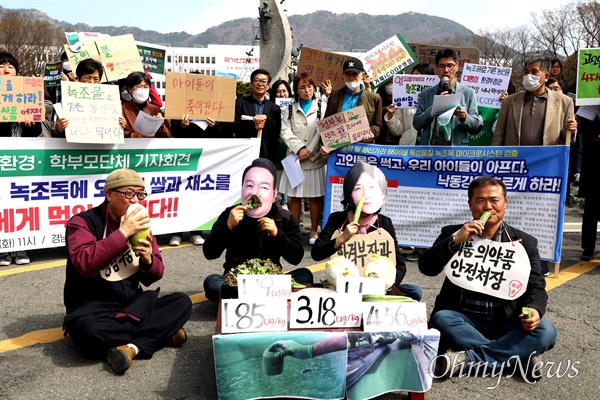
[[120, 358], [179, 338], [586, 256], [450, 364], [175, 240], [545, 270], [313, 237], [5, 259], [414, 256], [21, 258], [197, 239], [533, 372]]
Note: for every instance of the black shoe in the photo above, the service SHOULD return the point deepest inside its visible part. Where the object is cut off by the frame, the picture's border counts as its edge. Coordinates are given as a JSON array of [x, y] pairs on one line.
[[414, 256], [587, 255], [545, 270]]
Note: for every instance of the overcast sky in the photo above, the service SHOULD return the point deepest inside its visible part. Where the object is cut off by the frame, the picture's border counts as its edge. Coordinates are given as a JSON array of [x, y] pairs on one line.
[[195, 16]]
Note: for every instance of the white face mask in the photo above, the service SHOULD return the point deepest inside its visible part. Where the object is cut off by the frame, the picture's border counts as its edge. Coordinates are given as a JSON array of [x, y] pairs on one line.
[[141, 95], [125, 95], [66, 66], [531, 83], [353, 85], [388, 89]]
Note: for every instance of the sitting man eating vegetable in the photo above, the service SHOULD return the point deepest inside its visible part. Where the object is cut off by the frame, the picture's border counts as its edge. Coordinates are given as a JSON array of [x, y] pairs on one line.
[[255, 229], [492, 301]]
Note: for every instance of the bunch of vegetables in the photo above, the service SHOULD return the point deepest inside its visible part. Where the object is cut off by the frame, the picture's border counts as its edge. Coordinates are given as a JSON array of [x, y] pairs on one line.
[[256, 266], [377, 267]]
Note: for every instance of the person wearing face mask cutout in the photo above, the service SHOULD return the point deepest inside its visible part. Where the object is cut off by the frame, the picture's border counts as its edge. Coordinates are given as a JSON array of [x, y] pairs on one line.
[[138, 85], [353, 95], [266, 232]]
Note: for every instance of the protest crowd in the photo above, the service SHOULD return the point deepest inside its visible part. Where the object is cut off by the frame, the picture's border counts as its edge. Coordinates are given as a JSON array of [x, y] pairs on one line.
[[109, 314]]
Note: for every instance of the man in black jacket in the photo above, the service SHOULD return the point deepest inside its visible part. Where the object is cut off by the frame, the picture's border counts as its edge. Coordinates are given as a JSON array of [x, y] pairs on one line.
[[485, 326]]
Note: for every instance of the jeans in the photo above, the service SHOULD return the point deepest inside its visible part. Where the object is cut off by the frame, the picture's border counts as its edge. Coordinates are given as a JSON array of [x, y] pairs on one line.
[[484, 339], [412, 291]]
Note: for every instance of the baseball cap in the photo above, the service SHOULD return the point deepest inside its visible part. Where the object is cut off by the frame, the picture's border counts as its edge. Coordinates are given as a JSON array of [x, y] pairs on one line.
[[353, 65]]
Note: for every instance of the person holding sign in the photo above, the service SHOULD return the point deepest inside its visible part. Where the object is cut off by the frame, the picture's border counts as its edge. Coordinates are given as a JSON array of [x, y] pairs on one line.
[[451, 128], [493, 279], [376, 231], [355, 94], [108, 261], [256, 228]]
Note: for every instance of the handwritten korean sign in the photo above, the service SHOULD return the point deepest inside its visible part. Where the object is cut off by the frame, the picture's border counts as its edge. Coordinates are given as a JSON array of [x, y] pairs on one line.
[[22, 99], [341, 129], [386, 59], [361, 247], [588, 77], [323, 65], [407, 89], [489, 82], [93, 111], [200, 96], [499, 269], [426, 54], [52, 74]]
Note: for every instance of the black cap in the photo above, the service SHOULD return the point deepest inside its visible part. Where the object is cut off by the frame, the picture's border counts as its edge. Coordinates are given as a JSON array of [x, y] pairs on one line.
[[353, 65]]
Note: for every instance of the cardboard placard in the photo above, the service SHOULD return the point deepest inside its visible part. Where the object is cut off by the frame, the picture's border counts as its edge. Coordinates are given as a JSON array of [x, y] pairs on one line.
[[344, 128], [323, 65], [360, 248], [386, 59], [200, 96], [425, 53], [22, 99], [93, 111]]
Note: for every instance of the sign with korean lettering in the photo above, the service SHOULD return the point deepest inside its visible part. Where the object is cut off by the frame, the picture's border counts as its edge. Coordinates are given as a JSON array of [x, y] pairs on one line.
[[118, 55], [489, 82], [426, 54], [200, 96], [93, 111], [361, 247], [386, 59], [323, 65], [427, 187], [52, 74], [588, 77], [341, 129], [406, 89], [22, 99], [498, 269], [46, 181], [152, 57], [235, 61]]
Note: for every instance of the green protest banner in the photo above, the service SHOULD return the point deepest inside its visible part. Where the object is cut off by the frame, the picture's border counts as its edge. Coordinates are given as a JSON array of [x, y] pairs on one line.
[[588, 77], [52, 74], [152, 57]]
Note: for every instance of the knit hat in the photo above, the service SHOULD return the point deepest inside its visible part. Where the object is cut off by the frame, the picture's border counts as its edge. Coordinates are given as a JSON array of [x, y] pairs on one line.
[[123, 177], [9, 58], [263, 163]]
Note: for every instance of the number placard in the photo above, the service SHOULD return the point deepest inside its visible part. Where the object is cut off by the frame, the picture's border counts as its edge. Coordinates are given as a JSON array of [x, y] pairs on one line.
[[360, 285], [324, 309], [253, 316], [261, 286], [392, 317]]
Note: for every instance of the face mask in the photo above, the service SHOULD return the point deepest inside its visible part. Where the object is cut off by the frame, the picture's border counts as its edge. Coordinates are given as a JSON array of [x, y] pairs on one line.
[[125, 95], [141, 95], [67, 66], [388, 89], [531, 83], [352, 86]]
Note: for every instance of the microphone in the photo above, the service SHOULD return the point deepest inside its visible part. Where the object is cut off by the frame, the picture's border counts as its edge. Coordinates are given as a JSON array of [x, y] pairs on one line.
[[444, 83]]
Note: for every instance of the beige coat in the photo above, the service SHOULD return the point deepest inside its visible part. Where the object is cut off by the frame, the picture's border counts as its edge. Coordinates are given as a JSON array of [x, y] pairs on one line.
[[302, 131]]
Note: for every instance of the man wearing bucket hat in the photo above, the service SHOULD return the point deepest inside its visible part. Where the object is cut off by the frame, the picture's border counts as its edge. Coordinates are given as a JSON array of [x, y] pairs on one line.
[[107, 310], [354, 95]]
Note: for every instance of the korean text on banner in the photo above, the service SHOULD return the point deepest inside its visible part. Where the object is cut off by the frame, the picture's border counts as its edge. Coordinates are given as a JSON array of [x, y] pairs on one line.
[[200, 96], [588, 77], [341, 129], [427, 187], [407, 89], [22, 99], [46, 181], [426, 54], [52, 74], [152, 57], [93, 111], [386, 59], [323, 65], [489, 82]]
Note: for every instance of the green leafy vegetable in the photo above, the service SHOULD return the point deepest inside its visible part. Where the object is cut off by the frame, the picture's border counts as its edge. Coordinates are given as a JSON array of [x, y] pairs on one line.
[[253, 202], [254, 266]]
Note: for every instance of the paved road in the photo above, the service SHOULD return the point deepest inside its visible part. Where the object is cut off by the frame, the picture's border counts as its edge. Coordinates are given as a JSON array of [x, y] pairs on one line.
[[32, 311]]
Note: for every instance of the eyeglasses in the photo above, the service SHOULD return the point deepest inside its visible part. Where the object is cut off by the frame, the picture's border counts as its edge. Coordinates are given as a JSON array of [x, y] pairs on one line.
[[263, 82], [444, 66], [309, 87], [130, 193]]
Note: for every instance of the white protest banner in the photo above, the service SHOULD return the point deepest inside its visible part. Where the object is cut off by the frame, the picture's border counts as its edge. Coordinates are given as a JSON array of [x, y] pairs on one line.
[[254, 315], [236, 61], [93, 111], [489, 82], [394, 316], [284, 103], [322, 308], [386, 59], [498, 269], [45, 181], [341, 129], [22, 99], [406, 89]]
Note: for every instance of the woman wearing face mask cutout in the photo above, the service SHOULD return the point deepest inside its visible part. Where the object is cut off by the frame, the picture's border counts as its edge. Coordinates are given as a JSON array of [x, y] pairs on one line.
[[398, 128], [138, 86]]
